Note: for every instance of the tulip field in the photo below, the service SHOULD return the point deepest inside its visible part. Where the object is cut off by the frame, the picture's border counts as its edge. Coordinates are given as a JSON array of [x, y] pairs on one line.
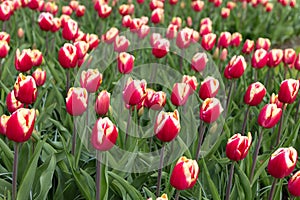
[[149, 99]]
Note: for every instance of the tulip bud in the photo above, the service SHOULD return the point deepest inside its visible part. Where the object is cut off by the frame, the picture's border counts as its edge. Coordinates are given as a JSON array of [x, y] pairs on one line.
[[104, 11], [176, 21], [255, 94], [121, 44], [180, 93], [20, 125], [80, 11], [104, 134], [189, 21], [82, 48], [154, 37], [67, 10], [223, 55], [74, 4], [185, 174], [224, 39], [259, 58], [269, 116], [110, 36], [12, 103], [236, 67], [288, 91], [156, 4], [199, 61], [183, 39], [230, 5], [210, 110], [23, 60], [282, 162], [192, 81], [64, 19], [274, 100], [70, 30], [45, 21], [136, 24], [225, 12], [297, 62], [208, 41], [275, 57], [36, 57], [56, 25], [3, 124], [67, 56], [93, 41], [4, 48], [91, 80], [161, 48], [157, 15], [126, 21], [125, 63], [238, 146], [143, 31], [209, 88], [76, 101], [5, 12], [236, 39], [205, 29], [134, 91], [289, 56], [102, 103], [294, 184], [167, 125], [5, 37], [25, 89], [155, 100], [39, 76], [263, 43], [197, 5], [248, 46], [269, 7], [292, 3]]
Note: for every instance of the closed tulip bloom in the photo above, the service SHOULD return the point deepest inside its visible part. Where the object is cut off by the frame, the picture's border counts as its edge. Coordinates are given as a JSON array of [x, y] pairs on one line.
[[143, 31], [64, 19], [45, 21], [206, 21], [91, 80], [25, 89], [156, 4], [209, 88], [210, 110], [36, 57], [74, 4], [104, 11], [134, 91], [154, 37], [274, 100], [255, 94], [173, 2], [39, 76], [197, 5], [161, 48], [224, 39], [288, 91], [80, 11], [70, 30], [110, 36], [82, 48], [195, 36], [297, 62], [20, 125], [157, 16], [4, 37], [102, 103], [208, 41], [4, 48], [76, 101], [223, 55], [294, 184], [67, 56], [3, 124], [225, 12], [259, 58], [93, 41], [56, 25], [104, 134], [171, 32], [121, 44], [67, 10], [236, 67], [192, 81], [231, 5], [136, 24], [248, 46], [126, 21], [269, 116], [236, 39], [275, 57], [263, 43], [183, 38], [238, 146], [185, 174], [199, 61], [5, 12], [23, 60], [155, 100], [205, 29], [282, 162], [124, 9], [180, 93], [125, 63], [167, 125], [51, 7], [289, 56], [12, 103]]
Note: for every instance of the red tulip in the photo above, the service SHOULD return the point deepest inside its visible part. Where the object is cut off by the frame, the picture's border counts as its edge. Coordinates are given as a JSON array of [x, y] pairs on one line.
[[76, 101], [102, 103], [209, 88], [176, 21], [4, 37], [289, 56], [36, 57], [156, 4], [126, 21], [67, 10], [161, 48], [91, 80], [210, 110], [171, 32], [275, 57], [104, 134], [224, 39], [143, 31], [274, 100], [134, 91], [236, 39], [292, 3], [259, 58], [39, 76], [225, 12], [269, 7], [124, 9], [157, 16], [64, 19], [5, 12], [199, 61], [288, 91], [70, 30], [45, 21], [4, 48], [67, 56], [231, 5], [248, 46], [236, 67], [183, 39], [297, 62], [80, 11], [136, 24], [154, 37], [185, 174], [121, 44], [263, 43], [3, 124], [110, 36], [155, 100], [74, 4], [12, 103], [172, 2], [51, 7], [192, 81], [208, 41], [269, 116], [167, 125], [23, 60], [238, 146], [294, 184], [180, 93], [125, 63], [20, 125], [25, 89], [205, 29], [82, 48], [217, 3], [104, 11], [255, 94], [282, 162], [195, 37], [197, 5], [93, 41]]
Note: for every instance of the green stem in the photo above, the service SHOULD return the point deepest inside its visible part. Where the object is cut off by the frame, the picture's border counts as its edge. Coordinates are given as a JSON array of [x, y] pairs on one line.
[[15, 172], [68, 80], [201, 135], [280, 125], [177, 195], [245, 120], [255, 155], [160, 170], [297, 111], [230, 181], [273, 189], [98, 175], [128, 125], [74, 138], [229, 97]]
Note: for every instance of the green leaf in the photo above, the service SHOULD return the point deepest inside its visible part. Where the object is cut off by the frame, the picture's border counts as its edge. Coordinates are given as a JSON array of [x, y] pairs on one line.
[[211, 184], [245, 183]]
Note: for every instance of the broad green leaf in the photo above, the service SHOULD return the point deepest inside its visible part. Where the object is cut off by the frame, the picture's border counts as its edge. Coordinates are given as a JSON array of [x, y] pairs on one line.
[[211, 185]]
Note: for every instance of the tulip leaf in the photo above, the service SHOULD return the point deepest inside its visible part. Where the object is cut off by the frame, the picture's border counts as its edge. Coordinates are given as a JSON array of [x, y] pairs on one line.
[[245, 183], [259, 171], [6, 150], [211, 185]]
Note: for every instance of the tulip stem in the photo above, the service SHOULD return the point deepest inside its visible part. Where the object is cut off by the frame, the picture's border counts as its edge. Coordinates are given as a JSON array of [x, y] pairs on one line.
[[74, 138], [280, 125], [245, 120], [297, 111], [201, 135], [230, 181], [177, 195], [273, 189], [68, 80], [181, 61], [229, 97], [98, 175], [255, 155], [160, 169], [15, 172], [128, 125]]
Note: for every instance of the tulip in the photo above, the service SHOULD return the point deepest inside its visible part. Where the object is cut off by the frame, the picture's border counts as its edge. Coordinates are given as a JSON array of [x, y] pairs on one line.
[[236, 67], [157, 16], [176, 21], [180, 93], [224, 54], [125, 63], [56, 25], [238, 146], [51, 7], [124, 9], [224, 39], [269, 116], [199, 61], [263, 43], [64, 19], [297, 62], [205, 29], [254, 94], [183, 39], [172, 2], [39, 76], [126, 21], [110, 36], [154, 37], [82, 48], [91, 80], [143, 31], [275, 57], [231, 5], [209, 88], [274, 100], [104, 134], [20, 125], [161, 48], [4, 48], [136, 24], [45, 21], [282, 162], [104, 11], [197, 5], [93, 41], [294, 184], [171, 32], [80, 11], [121, 44], [134, 91], [192, 81], [156, 4], [5, 12], [4, 37], [36, 57], [208, 41], [25, 89], [289, 56], [210, 110], [167, 126], [67, 56], [12, 103], [288, 91], [76, 101], [248, 46], [102, 103], [206, 21], [3, 124], [67, 10], [70, 30], [184, 174], [74, 4], [23, 60], [259, 58], [155, 100], [236, 39], [225, 12]]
